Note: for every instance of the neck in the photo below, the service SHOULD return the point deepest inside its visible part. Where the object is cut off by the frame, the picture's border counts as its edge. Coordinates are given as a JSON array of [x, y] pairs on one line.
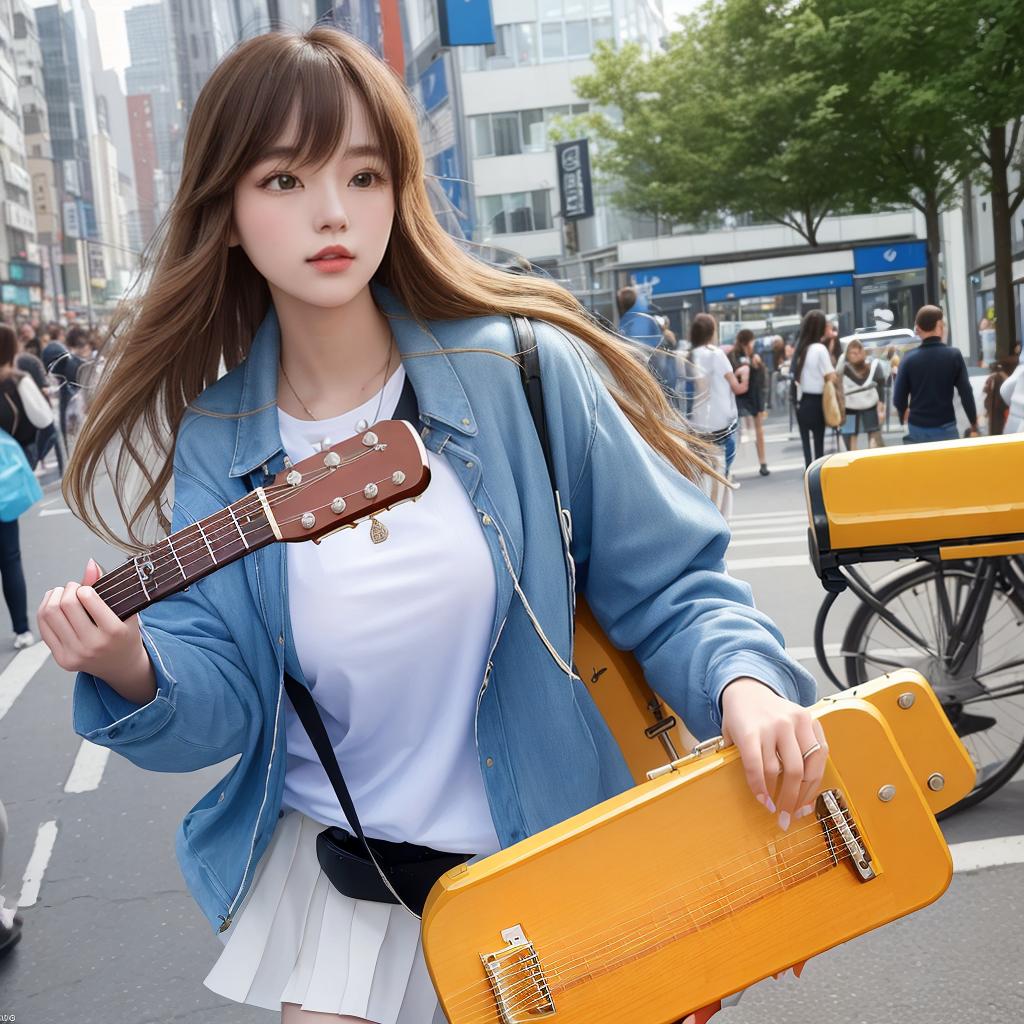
[[334, 356]]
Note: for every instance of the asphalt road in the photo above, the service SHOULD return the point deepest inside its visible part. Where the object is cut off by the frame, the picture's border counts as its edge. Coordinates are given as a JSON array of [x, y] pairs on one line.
[[112, 936]]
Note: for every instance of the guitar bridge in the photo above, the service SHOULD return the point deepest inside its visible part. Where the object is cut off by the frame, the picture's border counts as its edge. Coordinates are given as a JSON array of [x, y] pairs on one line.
[[841, 833], [517, 979]]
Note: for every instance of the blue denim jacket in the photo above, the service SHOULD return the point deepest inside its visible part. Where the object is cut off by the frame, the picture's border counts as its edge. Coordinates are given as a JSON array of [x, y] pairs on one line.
[[647, 550]]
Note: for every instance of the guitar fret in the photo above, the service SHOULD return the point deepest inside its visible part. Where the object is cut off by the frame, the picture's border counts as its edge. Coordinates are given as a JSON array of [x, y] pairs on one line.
[[142, 579], [202, 533], [181, 568], [237, 526]]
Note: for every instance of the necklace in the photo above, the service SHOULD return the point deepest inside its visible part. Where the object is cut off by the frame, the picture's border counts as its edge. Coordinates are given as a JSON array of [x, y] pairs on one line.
[[378, 531]]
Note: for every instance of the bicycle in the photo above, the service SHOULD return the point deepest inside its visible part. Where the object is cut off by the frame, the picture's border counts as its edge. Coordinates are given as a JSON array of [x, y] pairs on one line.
[[959, 621]]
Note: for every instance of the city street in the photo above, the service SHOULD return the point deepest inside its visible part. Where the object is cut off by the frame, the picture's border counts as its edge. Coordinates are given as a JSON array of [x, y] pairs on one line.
[[112, 937]]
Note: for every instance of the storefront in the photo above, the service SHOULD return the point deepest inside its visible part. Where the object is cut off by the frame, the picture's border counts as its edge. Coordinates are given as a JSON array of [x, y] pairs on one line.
[[890, 277], [674, 289]]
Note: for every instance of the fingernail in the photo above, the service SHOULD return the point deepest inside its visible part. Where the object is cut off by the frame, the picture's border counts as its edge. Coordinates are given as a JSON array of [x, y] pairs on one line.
[[784, 820], [804, 811]]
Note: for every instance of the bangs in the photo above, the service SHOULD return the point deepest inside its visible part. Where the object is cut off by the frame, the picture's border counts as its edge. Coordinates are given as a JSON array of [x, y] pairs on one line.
[[309, 95]]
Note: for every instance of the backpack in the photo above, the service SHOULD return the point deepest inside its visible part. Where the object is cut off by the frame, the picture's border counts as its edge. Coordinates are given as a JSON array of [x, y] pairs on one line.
[[19, 488]]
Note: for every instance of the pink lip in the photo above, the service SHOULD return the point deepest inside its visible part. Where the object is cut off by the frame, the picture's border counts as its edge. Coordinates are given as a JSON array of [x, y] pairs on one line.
[[335, 266], [332, 250]]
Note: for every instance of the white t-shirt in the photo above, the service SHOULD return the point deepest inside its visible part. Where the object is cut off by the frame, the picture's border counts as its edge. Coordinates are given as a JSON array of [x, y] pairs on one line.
[[393, 638], [714, 406], [817, 363]]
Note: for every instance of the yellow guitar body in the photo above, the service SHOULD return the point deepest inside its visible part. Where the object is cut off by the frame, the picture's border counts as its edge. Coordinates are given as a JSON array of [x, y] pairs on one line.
[[683, 889]]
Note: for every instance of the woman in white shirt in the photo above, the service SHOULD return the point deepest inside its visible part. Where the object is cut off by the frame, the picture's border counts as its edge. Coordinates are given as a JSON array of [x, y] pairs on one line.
[[812, 366], [714, 407], [1012, 393]]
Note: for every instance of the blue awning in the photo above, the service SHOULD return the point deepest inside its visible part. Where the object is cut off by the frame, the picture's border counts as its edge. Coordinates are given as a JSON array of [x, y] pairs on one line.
[[777, 286]]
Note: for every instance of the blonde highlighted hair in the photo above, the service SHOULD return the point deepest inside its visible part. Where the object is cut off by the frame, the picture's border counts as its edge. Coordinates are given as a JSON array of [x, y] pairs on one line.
[[204, 300]]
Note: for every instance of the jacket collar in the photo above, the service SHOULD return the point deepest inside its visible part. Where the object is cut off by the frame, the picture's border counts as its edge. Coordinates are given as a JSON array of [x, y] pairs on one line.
[[439, 392]]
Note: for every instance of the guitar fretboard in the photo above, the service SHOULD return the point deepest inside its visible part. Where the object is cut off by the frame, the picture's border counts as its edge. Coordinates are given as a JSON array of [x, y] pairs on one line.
[[186, 556]]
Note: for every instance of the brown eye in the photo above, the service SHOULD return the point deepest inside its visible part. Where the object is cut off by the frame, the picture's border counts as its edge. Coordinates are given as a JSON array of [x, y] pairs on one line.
[[366, 179], [280, 177]]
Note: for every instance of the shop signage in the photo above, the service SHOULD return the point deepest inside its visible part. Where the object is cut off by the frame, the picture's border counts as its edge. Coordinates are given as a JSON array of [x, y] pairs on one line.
[[574, 185]]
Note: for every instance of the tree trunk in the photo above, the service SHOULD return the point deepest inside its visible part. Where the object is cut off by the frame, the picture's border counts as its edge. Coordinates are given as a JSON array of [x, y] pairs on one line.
[[932, 285], [1006, 319]]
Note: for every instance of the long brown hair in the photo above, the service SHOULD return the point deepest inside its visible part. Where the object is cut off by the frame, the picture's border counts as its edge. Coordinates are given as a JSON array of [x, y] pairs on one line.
[[8, 352], [204, 300]]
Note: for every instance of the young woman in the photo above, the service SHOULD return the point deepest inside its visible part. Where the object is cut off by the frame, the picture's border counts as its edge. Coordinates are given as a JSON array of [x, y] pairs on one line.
[[749, 367], [863, 383], [302, 251], [15, 419], [812, 366]]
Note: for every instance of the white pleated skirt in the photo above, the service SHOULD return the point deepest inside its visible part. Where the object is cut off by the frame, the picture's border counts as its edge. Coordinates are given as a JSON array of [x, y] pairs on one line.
[[296, 939]]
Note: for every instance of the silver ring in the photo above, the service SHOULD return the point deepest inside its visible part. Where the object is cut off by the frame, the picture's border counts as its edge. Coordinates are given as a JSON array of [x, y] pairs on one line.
[[810, 750]]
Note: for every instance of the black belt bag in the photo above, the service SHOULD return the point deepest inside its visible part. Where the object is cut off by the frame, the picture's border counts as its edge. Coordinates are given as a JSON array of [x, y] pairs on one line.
[[362, 868]]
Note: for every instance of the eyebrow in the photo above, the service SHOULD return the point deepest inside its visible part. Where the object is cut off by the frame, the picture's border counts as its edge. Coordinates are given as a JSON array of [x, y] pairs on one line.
[[368, 149]]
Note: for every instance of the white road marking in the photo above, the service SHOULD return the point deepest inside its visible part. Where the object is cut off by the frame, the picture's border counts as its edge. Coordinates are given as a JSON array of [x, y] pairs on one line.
[[55, 512], [987, 853], [87, 771], [33, 877], [768, 517], [19, 672], [770, 532], [779, 562], [799, 538], [778, 467]]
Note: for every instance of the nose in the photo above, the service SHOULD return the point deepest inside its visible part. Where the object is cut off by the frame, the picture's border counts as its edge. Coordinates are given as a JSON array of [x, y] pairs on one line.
[[331, 214]]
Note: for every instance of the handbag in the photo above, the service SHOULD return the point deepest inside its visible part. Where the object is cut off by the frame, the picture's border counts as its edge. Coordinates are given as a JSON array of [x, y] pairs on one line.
[[37, 407], [832, 405], [357, 866], [19, 488]]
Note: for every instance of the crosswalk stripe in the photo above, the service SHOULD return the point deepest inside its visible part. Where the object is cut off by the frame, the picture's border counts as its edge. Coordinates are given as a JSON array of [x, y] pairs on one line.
[[987, 853], [24, 665], [31, 881], [87, 771], [772, 517], [766, 530], [744, 542], [779, 562]]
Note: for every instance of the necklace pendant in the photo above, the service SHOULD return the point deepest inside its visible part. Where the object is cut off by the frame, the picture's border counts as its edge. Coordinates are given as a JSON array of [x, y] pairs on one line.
[[378, 531]]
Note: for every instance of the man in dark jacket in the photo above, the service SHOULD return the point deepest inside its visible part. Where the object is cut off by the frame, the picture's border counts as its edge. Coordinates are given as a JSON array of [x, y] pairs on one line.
[[926, 380]]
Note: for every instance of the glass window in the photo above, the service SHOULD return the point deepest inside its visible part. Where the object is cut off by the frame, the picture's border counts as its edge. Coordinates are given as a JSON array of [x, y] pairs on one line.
[[551, 8], [492, 214], [575, 8], [526, 43], [472, 58], [562, 111], [533, 131], [577, 38], [499, 53], [520, 212], [483, 145], [551, 42], [541, 210], [506, 134], [601, 28], [580, 108], [600, 6]]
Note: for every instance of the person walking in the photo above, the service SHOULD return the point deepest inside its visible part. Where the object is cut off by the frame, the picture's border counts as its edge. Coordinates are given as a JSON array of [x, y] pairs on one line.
[[10, 922], [639, 324], [926, 380], [1012, 393], [812, 366], [714, 414], [20, 401], [28, 362], [863, 394], [304, 253], [750, 369]]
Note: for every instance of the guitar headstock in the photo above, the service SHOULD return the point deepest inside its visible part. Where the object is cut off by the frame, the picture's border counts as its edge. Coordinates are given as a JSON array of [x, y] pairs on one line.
[[350, 481]]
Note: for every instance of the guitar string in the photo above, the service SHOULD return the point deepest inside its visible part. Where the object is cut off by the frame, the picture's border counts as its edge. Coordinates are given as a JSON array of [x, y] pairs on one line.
[[127, 574], [814, 827], [568, 973], [623, 939], [628, 943], [275, 494]]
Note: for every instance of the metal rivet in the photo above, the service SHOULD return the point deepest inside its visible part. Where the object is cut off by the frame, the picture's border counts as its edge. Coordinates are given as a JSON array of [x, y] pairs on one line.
[[465, 422], [886, 793], [370, 491], [338, 506], [487, 520], [294, 478], [469, 465], [490, 762], [308, 520], [936, 781], [906, 700], [398, 477], [370, 439], [332, 459]]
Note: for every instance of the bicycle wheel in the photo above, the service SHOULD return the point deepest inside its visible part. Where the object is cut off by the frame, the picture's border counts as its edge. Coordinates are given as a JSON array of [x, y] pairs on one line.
[[984, 699]]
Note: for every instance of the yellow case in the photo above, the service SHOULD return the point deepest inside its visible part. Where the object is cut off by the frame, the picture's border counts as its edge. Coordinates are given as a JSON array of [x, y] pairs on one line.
[[949, 499]]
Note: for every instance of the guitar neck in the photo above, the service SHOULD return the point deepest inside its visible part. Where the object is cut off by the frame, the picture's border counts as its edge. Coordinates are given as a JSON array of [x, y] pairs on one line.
[[187, 556]]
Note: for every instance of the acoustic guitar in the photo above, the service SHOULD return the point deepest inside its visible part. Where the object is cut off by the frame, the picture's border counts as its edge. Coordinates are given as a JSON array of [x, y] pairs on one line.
[[683, 890]]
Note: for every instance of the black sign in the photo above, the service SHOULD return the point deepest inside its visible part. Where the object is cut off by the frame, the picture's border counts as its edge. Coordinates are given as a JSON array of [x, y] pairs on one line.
[[573, 159]]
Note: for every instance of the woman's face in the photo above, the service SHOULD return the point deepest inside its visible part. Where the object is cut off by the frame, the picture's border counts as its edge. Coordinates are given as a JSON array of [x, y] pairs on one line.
[[285, 214]]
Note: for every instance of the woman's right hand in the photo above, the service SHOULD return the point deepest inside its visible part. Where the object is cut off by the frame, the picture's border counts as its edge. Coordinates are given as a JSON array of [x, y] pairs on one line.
[[84, 635]]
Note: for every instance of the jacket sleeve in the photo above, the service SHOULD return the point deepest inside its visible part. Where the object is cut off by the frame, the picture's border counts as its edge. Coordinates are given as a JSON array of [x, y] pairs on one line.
[[963, 385], [901, 388], [206, 702], [650, 552]]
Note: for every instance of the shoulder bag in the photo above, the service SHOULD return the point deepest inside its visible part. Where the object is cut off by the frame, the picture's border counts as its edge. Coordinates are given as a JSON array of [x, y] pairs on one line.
[[832, 405], [19, 488], [37, 408]]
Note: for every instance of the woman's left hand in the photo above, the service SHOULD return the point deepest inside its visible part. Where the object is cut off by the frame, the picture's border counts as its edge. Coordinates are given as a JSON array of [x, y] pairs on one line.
[[772, 734]]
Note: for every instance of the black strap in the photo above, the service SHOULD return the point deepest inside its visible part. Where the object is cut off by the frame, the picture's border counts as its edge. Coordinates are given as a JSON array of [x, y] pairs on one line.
[[302, 700], [529, 366]]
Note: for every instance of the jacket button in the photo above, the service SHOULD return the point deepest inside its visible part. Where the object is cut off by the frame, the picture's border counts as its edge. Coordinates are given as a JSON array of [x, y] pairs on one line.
[[487, 520], [465, 422], [490, 762], [469, 465]]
